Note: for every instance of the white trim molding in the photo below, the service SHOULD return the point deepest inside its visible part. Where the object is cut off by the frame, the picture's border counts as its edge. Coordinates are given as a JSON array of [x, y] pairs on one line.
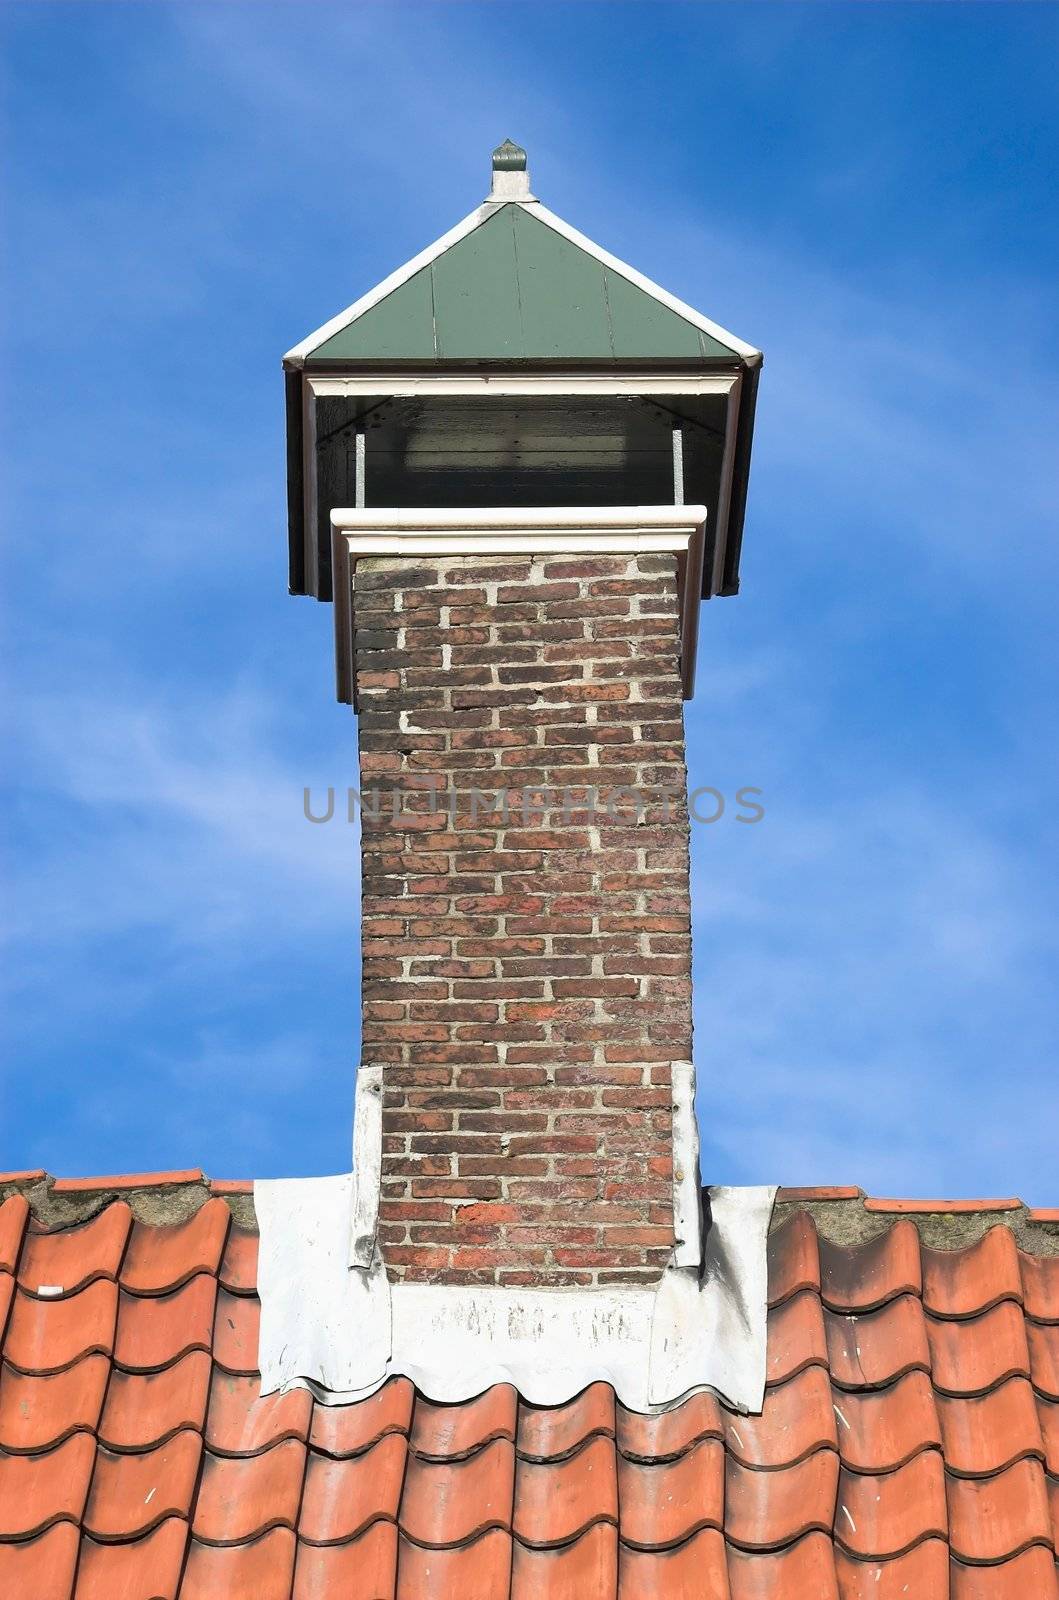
[[367, 1166], [687, 1188], [545, 530]]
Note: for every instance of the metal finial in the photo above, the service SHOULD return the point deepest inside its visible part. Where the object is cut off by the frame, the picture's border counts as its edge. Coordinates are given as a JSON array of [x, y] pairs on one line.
[[510, 176]]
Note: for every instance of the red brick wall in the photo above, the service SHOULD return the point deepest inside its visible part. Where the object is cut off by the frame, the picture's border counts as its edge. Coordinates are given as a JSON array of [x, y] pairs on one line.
[[527, 980]]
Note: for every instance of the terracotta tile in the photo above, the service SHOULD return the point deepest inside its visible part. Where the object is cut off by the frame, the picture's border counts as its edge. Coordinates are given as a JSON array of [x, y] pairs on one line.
[[42, 1568], [1040, 1286], [240, 1496], [71, 1257], [697, 1570], [766, 1509], [241, 1420], [161, 1258], [868, 1351], [802, 1571], [238, 1269], [446, 1502], [261, 1570], [1048, 1417], [478, 1571], [796, 1419], [886, 1513], [970, 1357], [669, 1434], [38, 1490], [235, 1334], [155, 1330], [793, 1258], [456, 1430], [44, 1335], [135, 1491], [344, 1495], [662, 1504], [547, 1432], [1030, 1576], [36, 1411], [27, 1175], [145, 1408], [944, 1207], [14, 1214], [365, 1569], [992, 1518], [145, 1569], [868, 1275], [919, 1574], [958, 1283], [983, 1433], [1044, 1357], [7, 1294], [555, 1500], [795, 1337], [587, 1569], [785, 1196], [879, 1429], [346, 1430], [120, 1181], [231, 1186]]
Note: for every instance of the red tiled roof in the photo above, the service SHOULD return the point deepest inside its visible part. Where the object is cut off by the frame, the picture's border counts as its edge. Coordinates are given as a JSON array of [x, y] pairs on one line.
[[909, 1443]]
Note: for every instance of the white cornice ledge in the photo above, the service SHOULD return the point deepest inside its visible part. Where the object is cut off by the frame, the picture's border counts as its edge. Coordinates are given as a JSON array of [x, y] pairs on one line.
[[544, 530]]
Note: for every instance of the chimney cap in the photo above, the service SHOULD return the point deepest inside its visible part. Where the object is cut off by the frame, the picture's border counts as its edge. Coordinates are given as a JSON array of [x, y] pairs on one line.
[[510, 173]]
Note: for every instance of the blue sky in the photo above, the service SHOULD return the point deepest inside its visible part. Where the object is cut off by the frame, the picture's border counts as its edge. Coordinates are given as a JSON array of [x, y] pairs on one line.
[[866, 192]]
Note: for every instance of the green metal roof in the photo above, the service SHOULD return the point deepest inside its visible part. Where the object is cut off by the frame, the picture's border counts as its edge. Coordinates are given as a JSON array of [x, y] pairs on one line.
[[515, 288]]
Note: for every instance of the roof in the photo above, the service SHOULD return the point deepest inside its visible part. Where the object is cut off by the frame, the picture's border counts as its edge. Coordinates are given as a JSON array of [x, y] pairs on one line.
[[514, 282], [909, 1442]]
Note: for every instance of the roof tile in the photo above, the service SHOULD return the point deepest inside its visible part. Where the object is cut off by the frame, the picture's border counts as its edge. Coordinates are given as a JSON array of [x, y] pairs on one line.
[[1044, 1357], [14, 1214], [793, 1258], [39, 1410], [44, 1566], [145, 1408], [1032, 1573], [448, 1502], [880, 1429], [7, 1294], [162, 1258], [767, 1509], [71, 1257], [670, 1433], [556, 1500], [260, 1570], [972, 1356], [132, 1493], [867, 1351], [346, 1430], [886, 1513], [478, 1571], [958, 1283], [1048, 1417], [242, 1496], [586, 1569], [364, 1569], [994, 1517], [449, 1431], [860, 1277], [984, 1433], [37, 1490], [238, 1271], [155, 1330], [547, 1432], [242, 1421], [45, 1335], [345, 1495], [921, 1571], [696, 1570], [1040, 1283], [663, 1503], [140, 1569], [796, 1419], [803, 1569], [120, 1182], [236, 1330]]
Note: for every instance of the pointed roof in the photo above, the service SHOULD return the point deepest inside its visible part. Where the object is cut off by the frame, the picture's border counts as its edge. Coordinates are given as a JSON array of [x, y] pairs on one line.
[[514, 282]]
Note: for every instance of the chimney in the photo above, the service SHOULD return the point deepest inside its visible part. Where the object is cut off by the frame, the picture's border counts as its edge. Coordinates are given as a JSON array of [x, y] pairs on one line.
[[518, 648]]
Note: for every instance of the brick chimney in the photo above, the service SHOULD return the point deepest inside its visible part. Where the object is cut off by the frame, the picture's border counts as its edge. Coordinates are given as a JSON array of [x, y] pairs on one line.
[[518, 648], [526, 913]]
